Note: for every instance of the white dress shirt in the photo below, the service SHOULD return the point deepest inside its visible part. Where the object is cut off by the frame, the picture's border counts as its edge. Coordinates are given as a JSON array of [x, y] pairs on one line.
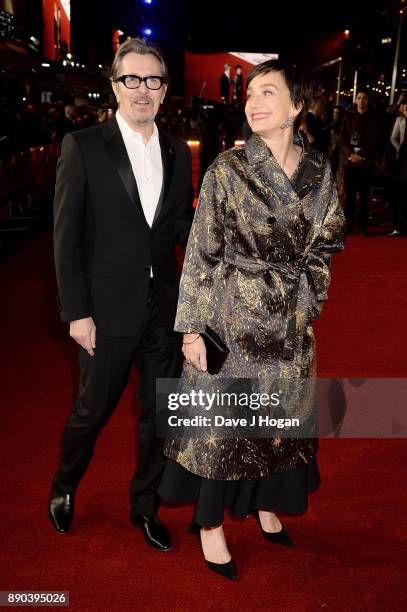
[[147, 166]]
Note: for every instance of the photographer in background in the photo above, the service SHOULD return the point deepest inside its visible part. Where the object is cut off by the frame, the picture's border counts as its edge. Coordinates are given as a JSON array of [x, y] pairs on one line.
[[360, 141]]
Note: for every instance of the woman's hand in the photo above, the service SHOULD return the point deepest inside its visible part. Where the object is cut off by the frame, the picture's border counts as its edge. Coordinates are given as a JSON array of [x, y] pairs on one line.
[[355, 158], [194, 350]]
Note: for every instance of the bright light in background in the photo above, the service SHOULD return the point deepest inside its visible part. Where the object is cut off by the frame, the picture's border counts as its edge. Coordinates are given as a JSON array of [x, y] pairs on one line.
[[147, 32], [45, 65], [67, 8], [147, 1]]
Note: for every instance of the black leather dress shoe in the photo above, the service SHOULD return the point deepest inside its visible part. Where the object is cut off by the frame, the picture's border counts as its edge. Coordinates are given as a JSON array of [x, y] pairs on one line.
[[61, 510], [155, 533]]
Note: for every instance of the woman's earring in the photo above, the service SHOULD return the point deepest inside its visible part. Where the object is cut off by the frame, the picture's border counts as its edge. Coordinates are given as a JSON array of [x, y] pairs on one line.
[[288, 123]]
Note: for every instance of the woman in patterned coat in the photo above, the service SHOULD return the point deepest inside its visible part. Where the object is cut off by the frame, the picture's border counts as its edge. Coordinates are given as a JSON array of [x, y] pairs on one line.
[[256, 271]]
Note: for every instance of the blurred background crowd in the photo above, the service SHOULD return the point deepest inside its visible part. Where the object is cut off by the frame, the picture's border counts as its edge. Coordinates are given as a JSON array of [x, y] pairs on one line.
[[357, 116]]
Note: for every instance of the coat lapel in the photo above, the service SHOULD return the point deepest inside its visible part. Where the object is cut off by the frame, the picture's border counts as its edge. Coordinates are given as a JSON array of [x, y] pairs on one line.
[[120, 159], [168, 159], [272, 176]]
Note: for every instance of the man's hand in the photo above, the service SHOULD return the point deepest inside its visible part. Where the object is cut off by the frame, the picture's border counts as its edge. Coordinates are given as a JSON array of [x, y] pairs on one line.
[[194, 350], [83, 331]]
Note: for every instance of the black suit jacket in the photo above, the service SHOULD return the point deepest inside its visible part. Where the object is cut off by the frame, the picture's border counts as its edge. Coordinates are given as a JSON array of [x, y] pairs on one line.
[[224, 86], [103, 244]]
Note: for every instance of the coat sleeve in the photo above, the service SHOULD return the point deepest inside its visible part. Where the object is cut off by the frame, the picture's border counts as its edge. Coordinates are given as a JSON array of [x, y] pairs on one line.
[[329, 237], [69, 213], [203, 254]]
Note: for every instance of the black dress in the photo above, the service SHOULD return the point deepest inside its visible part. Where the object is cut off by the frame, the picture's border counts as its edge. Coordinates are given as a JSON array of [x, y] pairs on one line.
[[281, 492]]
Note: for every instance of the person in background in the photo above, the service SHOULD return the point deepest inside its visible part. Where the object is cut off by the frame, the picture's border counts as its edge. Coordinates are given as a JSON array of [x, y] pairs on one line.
[[224, 84], [72, 116], [361, 144], [334, 129], [317, 136], [398, 139], [238, 86], [393, 111], [103, 115], [58, 125], [34, 127], [208, 123]]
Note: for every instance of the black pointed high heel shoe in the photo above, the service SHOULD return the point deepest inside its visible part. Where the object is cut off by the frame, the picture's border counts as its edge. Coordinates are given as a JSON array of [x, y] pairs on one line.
[[227, 570], [278, 537]]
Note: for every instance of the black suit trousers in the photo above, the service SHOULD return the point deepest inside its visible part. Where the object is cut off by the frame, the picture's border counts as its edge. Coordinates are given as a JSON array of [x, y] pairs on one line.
[[103, 378], [357, 179]]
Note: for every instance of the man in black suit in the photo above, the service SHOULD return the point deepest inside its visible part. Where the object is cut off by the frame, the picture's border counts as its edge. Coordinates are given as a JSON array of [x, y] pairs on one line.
[[361, 144], [224, 84], [123, 199]]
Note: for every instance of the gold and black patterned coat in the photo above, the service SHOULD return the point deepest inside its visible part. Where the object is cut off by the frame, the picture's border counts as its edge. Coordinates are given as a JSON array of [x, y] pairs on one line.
[[257, 271]]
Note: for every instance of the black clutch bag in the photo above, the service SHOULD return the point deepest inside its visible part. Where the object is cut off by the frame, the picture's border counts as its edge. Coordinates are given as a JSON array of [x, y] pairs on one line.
[[216, 350]]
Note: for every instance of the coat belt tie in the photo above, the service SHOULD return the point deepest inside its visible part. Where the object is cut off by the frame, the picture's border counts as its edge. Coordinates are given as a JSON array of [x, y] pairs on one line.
[[291, 270]]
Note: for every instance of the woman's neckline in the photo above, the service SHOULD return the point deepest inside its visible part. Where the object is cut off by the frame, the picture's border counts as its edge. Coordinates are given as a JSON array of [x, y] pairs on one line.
[[297, 141]]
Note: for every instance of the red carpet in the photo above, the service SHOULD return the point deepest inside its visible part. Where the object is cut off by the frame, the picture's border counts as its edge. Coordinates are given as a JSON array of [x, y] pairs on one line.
[[350, 553]]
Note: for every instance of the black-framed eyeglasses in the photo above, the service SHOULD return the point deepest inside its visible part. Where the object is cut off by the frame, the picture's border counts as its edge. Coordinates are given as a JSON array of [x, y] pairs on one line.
[[132, 81]]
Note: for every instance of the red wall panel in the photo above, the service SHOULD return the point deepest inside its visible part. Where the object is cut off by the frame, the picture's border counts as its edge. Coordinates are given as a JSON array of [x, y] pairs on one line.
[[56, 29], [201, 67]]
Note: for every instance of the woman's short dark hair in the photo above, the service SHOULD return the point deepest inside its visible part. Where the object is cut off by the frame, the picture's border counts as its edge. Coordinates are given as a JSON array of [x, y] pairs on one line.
[[297, 83], [140, 46]]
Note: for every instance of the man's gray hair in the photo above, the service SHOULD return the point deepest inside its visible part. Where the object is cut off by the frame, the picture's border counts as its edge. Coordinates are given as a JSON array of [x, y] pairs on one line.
[[140, 46]]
